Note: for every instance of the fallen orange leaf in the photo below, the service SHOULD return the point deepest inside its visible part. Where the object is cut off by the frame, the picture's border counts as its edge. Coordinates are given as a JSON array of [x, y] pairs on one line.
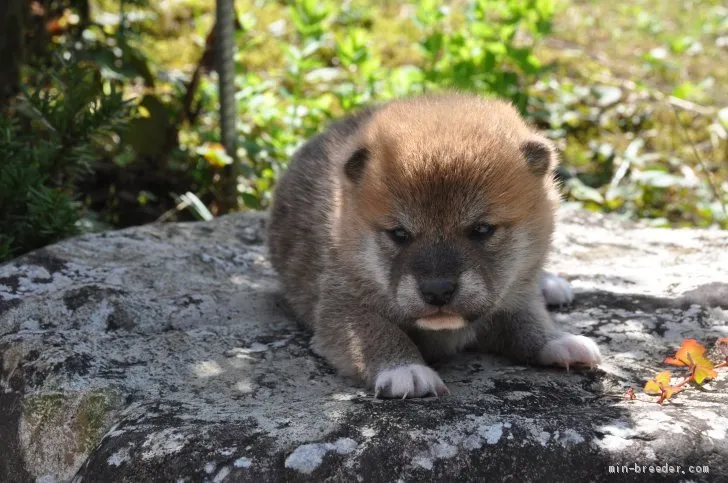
[[654, 386], [667, 392], [691, 353], [661, 385], [701, 373]]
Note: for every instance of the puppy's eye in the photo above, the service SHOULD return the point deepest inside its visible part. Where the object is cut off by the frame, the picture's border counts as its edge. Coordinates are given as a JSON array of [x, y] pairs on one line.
[[399, 235], [482, 231]]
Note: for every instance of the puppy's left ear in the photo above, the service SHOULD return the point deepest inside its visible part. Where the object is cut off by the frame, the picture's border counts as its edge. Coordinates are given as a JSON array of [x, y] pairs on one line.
[[540, 155], [356, 164]]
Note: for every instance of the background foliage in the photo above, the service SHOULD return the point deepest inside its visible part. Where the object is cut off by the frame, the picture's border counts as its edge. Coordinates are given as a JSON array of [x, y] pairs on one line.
[[46, 153], [631, 91]]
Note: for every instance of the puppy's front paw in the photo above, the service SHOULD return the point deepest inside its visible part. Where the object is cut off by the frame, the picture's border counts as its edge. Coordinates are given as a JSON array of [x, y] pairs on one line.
[[570, 349], [411, 380], [556, 290]]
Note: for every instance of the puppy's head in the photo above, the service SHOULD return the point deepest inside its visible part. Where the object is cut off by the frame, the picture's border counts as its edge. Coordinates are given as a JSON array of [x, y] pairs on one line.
[[449, 206]]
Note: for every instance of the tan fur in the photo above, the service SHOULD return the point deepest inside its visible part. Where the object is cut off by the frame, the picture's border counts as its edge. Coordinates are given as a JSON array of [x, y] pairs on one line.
[[436, 166]]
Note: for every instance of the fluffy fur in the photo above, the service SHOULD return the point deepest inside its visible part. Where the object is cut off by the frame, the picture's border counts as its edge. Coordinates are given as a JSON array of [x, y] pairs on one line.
[[417, 228]]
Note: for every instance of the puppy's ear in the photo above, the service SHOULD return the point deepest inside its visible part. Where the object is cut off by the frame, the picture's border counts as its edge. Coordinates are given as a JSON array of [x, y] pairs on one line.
[[355, 165], [540, 155]]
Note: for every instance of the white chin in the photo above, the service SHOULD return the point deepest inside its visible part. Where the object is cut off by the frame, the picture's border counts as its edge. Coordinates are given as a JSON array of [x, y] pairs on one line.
[[441, 322]]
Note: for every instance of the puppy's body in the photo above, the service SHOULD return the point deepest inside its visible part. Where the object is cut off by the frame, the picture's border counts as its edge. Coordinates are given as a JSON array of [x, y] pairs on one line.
[[418, 228]]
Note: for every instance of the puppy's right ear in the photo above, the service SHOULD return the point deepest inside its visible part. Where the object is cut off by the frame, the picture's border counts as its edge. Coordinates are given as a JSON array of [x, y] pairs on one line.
[[355, 165], [540, 155]]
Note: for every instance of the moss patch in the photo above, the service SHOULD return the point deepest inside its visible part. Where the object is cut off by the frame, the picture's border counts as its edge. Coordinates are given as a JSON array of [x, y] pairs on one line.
[[88, 414], [93, 417]]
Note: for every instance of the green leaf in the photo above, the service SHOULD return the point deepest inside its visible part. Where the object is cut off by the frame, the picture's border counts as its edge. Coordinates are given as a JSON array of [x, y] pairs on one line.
[[657, 178], [582, 192]]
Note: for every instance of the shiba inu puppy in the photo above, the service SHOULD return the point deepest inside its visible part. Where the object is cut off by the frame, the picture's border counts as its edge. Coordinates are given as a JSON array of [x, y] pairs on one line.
[[417, 228]]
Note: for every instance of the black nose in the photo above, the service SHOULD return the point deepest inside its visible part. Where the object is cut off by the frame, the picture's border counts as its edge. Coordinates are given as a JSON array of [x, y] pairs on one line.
[[438, 291]]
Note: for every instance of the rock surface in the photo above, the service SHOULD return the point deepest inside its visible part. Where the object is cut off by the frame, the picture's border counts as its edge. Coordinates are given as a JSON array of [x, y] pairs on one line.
[[161, 353]]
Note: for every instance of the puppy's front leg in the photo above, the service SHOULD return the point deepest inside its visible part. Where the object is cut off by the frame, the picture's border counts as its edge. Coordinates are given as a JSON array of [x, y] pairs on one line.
[[362, 343], [529, 335]]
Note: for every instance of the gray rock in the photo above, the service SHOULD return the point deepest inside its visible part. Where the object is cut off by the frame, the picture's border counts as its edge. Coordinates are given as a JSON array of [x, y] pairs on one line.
[[162, 353]]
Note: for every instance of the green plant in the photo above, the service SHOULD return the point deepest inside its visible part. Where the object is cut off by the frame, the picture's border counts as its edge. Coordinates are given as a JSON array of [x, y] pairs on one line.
[[490, 52], [332, 68], [51, 144]]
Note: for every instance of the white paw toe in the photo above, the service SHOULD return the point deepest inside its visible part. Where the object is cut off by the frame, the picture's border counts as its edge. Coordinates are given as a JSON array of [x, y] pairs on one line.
[[556, 290], [570, 350], [411, 380]]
